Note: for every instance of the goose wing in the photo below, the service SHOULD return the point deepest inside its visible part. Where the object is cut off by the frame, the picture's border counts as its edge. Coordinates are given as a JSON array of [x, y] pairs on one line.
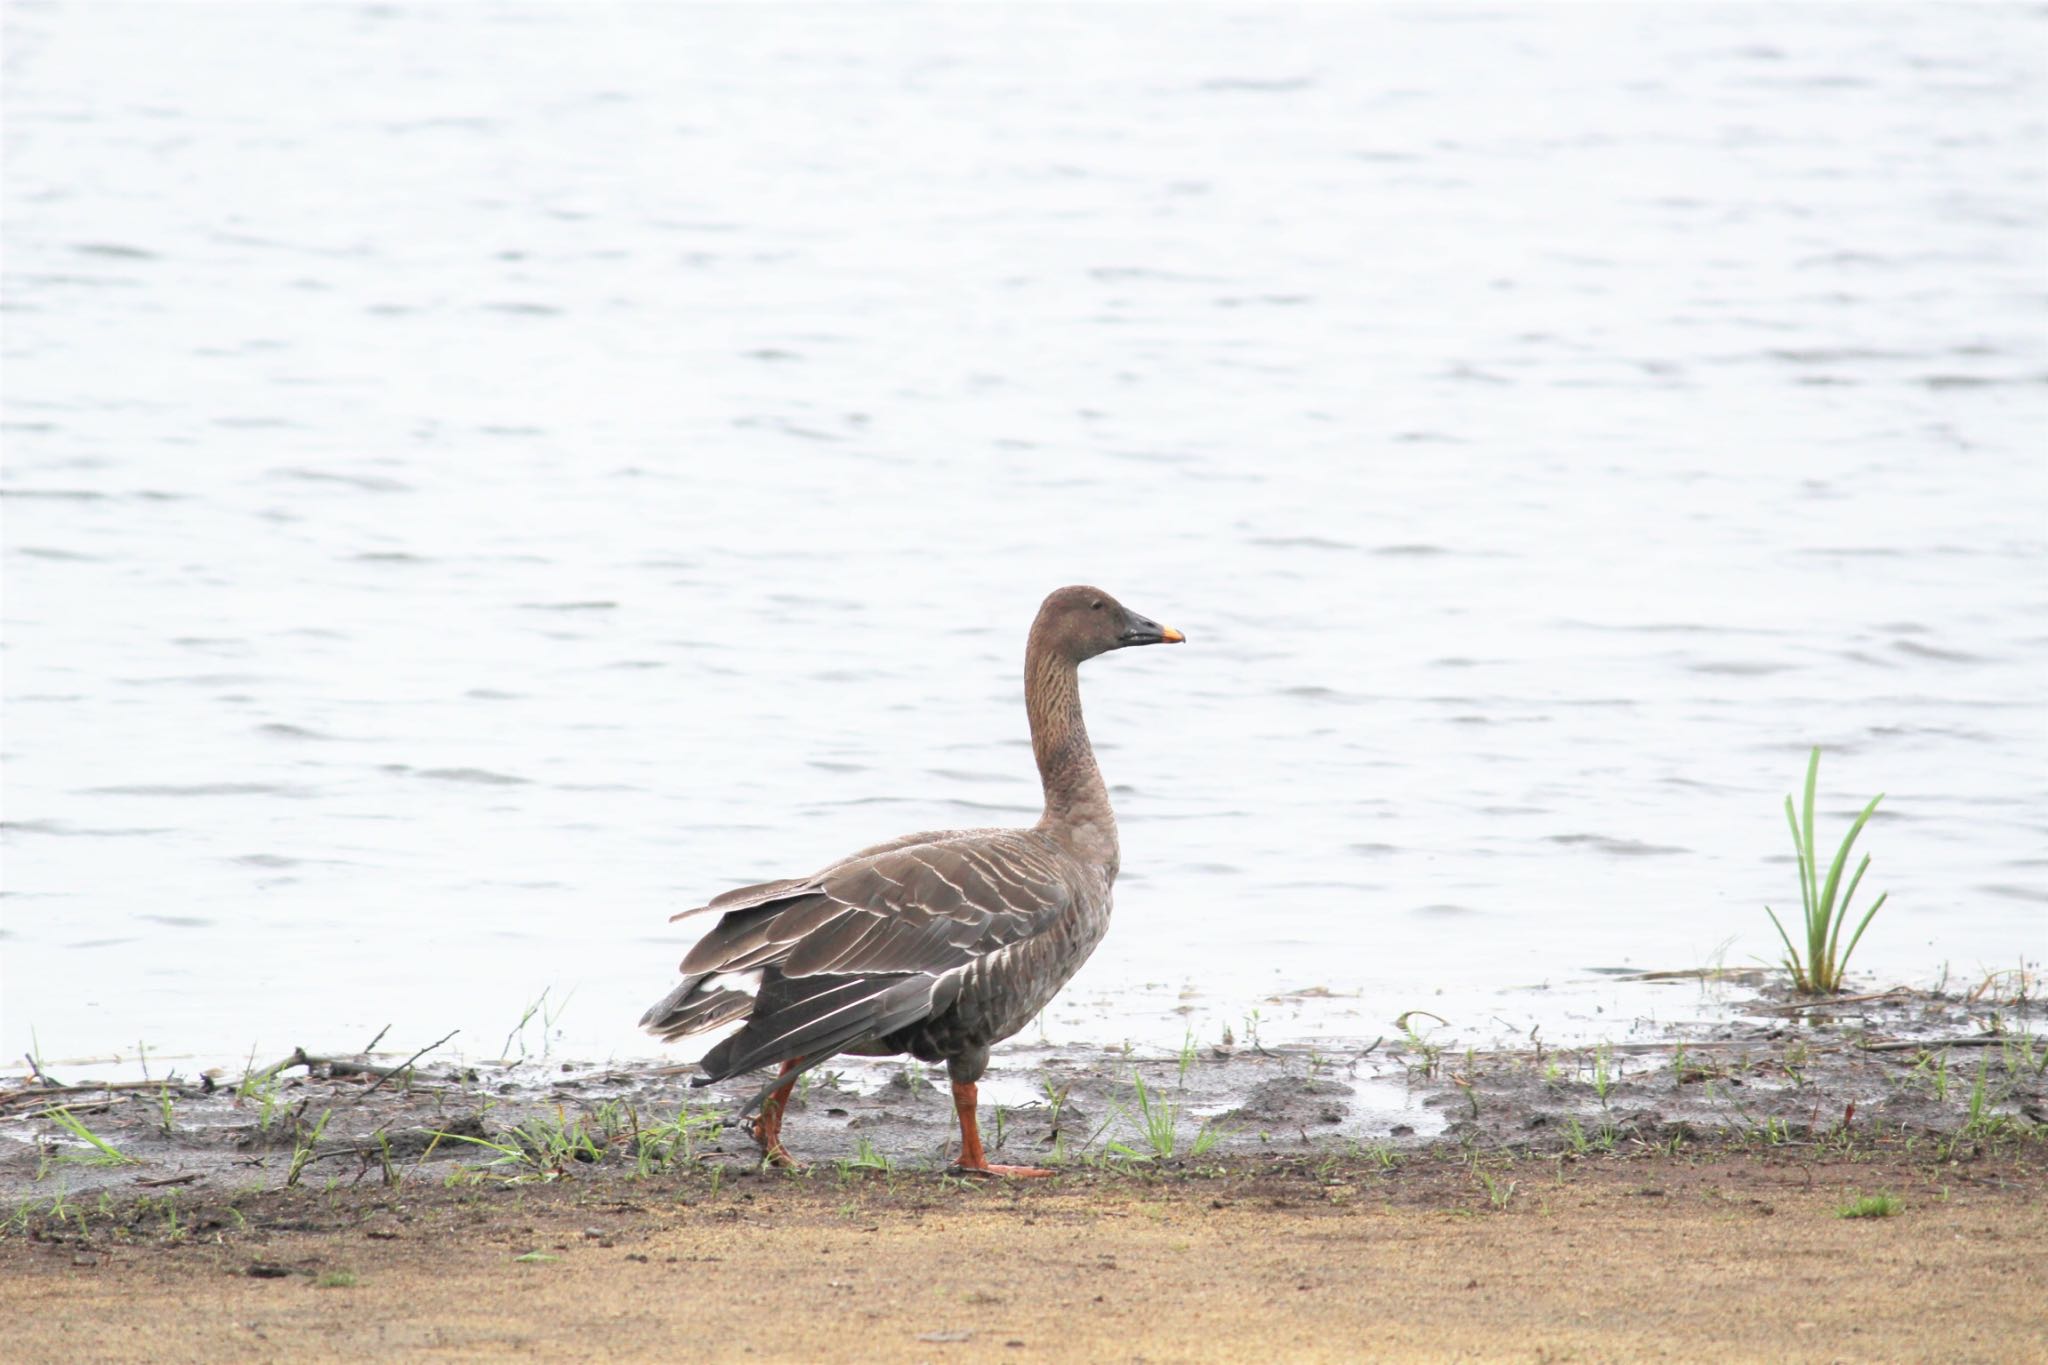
[[869, 946]]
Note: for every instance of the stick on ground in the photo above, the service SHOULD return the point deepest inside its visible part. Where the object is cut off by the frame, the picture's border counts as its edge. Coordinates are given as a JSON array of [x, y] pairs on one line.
[[407, 1063]]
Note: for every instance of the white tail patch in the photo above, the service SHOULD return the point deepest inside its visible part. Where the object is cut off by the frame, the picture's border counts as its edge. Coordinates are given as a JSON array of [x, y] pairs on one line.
[[746, 983]]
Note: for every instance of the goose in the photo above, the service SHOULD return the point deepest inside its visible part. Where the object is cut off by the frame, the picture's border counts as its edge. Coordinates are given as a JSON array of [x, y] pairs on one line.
[[938, 944]]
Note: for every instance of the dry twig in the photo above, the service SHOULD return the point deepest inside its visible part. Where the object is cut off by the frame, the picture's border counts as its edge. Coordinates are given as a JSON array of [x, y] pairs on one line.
[[406, 1065]]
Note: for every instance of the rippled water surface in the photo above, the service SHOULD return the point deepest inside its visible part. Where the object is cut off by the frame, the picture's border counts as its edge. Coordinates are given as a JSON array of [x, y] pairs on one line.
[[479, 479]]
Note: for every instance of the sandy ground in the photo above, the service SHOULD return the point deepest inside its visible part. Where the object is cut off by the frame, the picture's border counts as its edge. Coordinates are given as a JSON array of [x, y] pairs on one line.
[[1721, 1255]]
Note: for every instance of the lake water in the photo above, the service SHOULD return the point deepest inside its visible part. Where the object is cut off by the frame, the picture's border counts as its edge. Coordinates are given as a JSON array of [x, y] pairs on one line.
[[479, 479]]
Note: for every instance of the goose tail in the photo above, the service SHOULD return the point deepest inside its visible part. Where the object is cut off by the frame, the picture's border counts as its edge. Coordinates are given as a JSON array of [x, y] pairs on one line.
[[702, 1002]]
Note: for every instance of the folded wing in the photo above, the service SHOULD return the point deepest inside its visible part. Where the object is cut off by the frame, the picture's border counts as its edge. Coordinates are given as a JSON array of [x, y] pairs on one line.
[[869, 946]]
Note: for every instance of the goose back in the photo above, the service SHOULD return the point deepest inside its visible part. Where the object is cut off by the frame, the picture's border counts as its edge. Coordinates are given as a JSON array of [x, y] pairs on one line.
[[937, 944]]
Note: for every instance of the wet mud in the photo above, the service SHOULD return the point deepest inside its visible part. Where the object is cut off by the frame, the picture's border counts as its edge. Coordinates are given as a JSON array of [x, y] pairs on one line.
[[1901, 1067]]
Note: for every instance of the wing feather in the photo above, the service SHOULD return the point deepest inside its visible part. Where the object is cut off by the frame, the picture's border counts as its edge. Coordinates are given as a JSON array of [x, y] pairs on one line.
[[806, 917], [831, 947], [744, 897], [744, 932]]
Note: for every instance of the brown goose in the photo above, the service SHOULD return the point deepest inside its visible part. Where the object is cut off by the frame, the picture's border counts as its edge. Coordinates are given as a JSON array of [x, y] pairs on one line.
[[938, 944]]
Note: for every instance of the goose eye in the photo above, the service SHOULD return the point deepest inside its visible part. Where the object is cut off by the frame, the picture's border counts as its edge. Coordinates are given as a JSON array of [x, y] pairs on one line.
[[1095, 606]]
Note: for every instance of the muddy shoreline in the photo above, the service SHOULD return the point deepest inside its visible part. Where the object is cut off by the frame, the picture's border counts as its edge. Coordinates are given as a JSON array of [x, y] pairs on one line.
[[1904, 1068]]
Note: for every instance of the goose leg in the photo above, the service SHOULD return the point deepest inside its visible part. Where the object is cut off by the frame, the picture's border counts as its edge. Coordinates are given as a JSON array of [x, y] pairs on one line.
[[972, 1160], [768, 1124]]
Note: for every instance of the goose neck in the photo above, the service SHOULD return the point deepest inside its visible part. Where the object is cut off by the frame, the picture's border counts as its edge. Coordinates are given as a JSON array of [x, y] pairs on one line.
[[1077, 811]]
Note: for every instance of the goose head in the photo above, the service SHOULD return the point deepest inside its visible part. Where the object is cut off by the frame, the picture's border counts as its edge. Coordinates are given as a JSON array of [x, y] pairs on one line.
[[1081, 622]]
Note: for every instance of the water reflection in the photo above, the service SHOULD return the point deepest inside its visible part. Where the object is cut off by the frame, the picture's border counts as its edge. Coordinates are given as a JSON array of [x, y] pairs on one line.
[[568, 464]]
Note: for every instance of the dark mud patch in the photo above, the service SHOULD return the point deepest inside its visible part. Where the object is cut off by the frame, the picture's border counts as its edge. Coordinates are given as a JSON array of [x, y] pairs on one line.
[[1288, 1101]]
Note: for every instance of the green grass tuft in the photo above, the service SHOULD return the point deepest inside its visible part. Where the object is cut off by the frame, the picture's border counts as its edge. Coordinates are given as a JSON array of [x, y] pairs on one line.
[[1819, 971], [866, 1157], [1159, 1129], [1870, 1206]]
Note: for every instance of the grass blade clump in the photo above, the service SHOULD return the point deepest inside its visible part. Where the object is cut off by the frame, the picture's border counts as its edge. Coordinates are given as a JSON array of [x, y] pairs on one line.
[[100, 1152], [1819, 970], [1159, 1128], [1870, 1206]]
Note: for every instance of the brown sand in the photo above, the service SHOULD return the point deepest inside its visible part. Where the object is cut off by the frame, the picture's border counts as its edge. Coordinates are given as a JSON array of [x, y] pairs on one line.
[[1716, 1257]]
